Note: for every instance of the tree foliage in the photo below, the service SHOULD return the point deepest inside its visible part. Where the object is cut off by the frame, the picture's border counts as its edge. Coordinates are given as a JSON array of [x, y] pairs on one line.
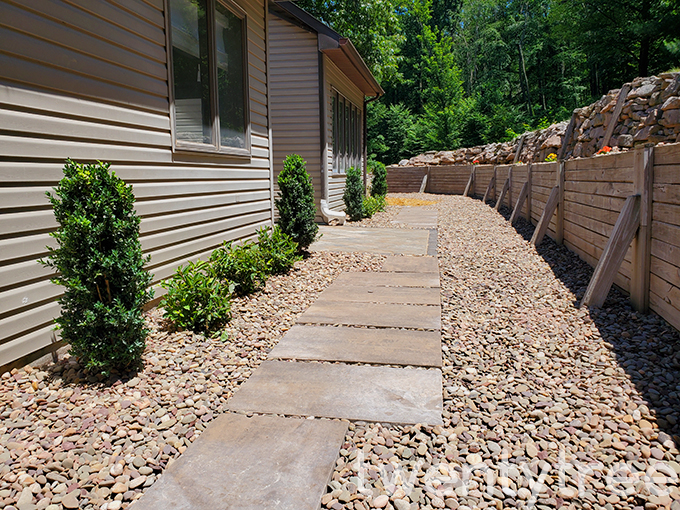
[[101, 267], [464, 72], [295, 202]]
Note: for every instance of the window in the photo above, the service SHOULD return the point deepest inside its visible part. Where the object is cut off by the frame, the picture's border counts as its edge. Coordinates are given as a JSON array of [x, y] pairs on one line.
[[346, 124], [209, 76]]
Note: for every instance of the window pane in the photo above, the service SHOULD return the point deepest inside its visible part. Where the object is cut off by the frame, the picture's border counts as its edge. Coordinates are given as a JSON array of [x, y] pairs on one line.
[[347, 135], [341, 140], [334, 124], [230, 77], [191, 74]]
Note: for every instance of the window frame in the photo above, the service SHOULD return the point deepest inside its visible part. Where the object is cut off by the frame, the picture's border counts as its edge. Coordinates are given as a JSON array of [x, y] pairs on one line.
[[215, 148], [346, 132]]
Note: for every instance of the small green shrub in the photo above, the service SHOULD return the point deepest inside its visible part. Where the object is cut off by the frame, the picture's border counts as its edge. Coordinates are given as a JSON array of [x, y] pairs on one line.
[[354, 194], [197, 300], [379, 183], [241, 264], [374, 204], [279, 251], [100, 264], [295, 202]]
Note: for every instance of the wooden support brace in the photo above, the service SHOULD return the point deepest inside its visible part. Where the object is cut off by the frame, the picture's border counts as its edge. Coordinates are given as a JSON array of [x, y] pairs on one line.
[[518, 152], [547, 215], [559, 227], [615, 115], [567, 137], [423, 184], [492, 185], [626, 226], [524, 192], [470, 183], [506, 186]]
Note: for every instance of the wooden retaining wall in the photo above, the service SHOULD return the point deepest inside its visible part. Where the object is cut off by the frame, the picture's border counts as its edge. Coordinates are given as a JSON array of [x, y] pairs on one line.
[[592, 192]]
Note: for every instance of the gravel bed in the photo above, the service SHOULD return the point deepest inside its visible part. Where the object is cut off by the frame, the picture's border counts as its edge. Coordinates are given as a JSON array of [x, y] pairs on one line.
[[533, 386], [69, 440], [384, 219]]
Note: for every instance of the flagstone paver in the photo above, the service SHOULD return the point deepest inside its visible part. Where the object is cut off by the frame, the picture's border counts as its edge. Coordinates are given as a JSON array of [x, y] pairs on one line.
[[361, 345], [372, 294], [369, 393], [410, 264], [385, 241], [260, 462], [389, 279], [372, 314], [417, 217]]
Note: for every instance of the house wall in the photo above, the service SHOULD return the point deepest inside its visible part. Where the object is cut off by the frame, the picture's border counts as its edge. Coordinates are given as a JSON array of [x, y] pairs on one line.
[[88, 80], [336, 80], [294, 81]]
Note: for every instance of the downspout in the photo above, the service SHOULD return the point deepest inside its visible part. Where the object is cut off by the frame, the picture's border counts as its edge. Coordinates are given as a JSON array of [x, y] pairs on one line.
[[326, 213], [269, 115], [365, 138]]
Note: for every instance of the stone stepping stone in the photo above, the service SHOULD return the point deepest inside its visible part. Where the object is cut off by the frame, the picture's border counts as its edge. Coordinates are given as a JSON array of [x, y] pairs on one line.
[[361, 345], [368, 393], [372, 314], [370, 294], [263, 462], [384, 279], [383, 241], [417, 217], [410, 264]]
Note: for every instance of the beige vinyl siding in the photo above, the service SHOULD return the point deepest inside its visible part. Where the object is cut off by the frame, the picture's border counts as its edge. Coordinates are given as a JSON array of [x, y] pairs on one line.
[[336, 80], [294, 81], [88, 80]]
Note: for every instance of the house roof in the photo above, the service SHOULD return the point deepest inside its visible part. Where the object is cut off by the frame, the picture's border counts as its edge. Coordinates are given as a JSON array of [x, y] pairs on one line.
[[339, 49]]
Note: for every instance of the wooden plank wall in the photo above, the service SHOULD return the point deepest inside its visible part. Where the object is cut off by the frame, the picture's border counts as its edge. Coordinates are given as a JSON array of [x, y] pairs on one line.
[[595, 190], [88, 80], [483, 174], [449, 180], [405, 180], [543, 179], [665, 263]]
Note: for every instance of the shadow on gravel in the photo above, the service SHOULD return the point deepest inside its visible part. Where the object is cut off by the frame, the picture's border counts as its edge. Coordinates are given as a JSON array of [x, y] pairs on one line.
[[646, 347]]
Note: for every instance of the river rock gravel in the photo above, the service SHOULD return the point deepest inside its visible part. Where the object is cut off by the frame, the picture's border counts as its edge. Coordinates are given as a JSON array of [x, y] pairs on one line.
[[71, 440], [545, 405]]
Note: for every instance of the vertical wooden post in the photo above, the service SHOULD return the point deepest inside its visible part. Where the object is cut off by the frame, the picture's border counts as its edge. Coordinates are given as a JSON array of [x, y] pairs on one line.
[[494, 182], [642, 252], [492, 185], [529, 195], [559, 221]]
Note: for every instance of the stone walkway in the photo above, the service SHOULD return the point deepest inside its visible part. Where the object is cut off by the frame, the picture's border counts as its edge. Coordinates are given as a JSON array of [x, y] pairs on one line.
[[368, 349]]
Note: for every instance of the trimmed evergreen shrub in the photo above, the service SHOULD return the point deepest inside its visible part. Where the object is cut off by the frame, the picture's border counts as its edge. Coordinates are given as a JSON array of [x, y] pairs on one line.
[[354, 195], [242, 264], [197, 300], [100, 264], [295, 202], [279, 251], [379, 183], [374, 204]]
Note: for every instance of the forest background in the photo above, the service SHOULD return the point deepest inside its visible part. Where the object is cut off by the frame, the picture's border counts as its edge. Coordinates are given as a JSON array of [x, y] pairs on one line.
[[459, 73]]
